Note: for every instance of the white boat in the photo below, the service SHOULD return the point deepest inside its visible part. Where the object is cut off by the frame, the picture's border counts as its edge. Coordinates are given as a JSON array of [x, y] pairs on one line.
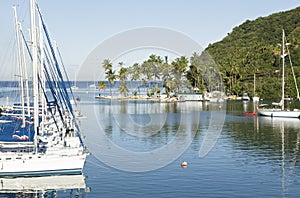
[[41, 137], [245, 97], [275, 112], [74, 88], [217, 97], [40, 164], [282, 112], [92, 86]]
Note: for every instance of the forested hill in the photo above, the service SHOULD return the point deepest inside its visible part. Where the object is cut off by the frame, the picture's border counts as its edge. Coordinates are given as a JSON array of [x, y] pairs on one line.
[[253, 47]]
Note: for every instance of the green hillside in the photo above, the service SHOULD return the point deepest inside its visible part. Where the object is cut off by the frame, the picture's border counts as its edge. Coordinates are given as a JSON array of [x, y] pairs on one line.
[[253, 47]]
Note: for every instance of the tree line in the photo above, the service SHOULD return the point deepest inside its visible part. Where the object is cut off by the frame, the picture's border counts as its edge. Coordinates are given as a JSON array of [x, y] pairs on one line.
[[247, 55], [253, 48], [183, 74]]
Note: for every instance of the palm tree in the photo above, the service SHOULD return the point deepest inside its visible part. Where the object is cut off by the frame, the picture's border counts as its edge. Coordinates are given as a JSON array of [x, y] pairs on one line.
[[155, 65], [101, 85], [135, 73], [110, 74], [180, 66], [107, 65], [151, 69], [123, 72], [167, 76], [123, 88], [146, 70], [196, 73], [111, 77]]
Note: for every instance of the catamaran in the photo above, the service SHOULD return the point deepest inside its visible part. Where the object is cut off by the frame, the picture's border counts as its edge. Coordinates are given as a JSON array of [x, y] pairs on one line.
[[40, 136], [282, 112]]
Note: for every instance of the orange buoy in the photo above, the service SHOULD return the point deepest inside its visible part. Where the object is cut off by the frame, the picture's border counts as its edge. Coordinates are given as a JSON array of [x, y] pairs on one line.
[[184, 164]]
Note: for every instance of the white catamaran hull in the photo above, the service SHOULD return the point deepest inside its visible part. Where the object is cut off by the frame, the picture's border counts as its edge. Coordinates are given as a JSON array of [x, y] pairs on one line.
[[30, 165], [278, 113]]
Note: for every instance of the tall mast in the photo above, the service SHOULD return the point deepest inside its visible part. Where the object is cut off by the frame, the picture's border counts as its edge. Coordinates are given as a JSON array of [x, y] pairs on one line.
[[283, 60], [20, 65], [254, 87], [25, 75], [34, 69], [42, 73]]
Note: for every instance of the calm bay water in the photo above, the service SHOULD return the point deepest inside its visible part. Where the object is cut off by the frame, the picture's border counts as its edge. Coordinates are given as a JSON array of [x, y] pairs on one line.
[[253, 156]]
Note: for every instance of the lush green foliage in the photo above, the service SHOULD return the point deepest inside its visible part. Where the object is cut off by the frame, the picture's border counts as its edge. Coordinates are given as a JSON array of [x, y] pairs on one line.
[[253, 47], [109, 73], [251, 51]]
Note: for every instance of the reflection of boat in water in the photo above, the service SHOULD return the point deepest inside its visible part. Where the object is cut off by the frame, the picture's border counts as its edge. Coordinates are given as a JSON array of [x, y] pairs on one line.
[[42, 185], [286, 128], [278, 122]]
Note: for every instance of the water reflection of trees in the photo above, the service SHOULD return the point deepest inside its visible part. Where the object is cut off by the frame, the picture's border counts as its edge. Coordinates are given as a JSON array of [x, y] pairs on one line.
[[141, 107], [146, 124]]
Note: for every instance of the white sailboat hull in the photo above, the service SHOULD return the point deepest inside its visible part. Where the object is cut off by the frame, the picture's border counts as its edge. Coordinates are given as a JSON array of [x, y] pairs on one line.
[[30, 165], [279, 113]]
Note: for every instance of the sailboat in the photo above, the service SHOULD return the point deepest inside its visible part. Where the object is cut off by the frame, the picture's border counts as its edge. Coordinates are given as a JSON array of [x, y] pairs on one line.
[[282, 112], [41, 137], [74, 87]]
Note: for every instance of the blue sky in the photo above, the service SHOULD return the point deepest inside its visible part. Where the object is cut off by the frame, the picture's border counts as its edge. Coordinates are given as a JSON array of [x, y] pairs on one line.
[[81, 25]]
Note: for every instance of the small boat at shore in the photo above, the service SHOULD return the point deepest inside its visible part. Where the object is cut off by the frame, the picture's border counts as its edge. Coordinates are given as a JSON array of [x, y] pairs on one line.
[[245, 97]]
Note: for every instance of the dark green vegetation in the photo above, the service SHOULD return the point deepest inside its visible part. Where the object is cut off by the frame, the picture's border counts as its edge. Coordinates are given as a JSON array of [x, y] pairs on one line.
[[253, 48]]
